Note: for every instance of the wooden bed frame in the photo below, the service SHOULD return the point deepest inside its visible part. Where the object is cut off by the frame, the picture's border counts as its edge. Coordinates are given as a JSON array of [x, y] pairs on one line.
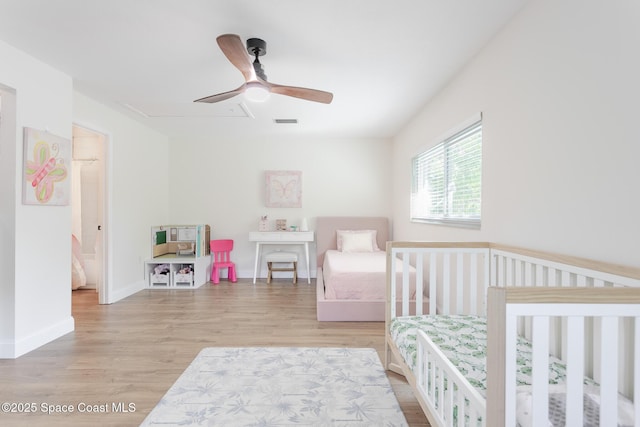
[[347, 310], [585, 313]]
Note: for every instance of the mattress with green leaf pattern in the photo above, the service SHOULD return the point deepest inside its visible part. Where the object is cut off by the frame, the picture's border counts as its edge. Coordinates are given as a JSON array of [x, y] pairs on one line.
[[463, 339]]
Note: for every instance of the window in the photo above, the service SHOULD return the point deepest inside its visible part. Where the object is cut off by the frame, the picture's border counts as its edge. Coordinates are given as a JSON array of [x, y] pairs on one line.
[[446, 179]]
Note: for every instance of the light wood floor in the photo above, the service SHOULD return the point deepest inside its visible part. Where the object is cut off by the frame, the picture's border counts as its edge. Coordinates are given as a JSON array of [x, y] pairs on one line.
[[134, 350]]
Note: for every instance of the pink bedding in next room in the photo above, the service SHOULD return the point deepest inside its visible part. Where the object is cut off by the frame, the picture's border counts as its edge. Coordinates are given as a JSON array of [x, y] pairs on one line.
[[356, 275]]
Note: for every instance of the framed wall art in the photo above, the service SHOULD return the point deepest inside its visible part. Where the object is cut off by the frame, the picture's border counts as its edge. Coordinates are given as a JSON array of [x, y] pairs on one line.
[[46, 177], [283, 189]]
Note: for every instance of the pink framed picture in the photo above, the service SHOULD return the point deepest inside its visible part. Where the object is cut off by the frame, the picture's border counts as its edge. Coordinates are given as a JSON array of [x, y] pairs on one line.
[[46, 176], [283, 189]]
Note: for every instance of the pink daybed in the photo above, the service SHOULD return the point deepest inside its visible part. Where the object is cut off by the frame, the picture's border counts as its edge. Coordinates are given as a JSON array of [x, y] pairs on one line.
[[351, 280]]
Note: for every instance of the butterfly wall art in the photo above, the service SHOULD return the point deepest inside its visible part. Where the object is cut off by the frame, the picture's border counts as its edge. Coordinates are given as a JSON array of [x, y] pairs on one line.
[[46, 178], [283, 189]]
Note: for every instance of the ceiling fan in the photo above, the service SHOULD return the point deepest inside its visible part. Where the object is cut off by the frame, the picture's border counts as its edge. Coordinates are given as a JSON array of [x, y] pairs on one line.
[[255, 78]]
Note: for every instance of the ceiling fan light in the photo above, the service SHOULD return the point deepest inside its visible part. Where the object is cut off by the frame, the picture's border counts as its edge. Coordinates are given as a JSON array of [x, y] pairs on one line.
[[256, 92]]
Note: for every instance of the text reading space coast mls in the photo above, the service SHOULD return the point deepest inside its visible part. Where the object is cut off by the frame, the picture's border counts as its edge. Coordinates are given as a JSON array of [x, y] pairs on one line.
[[62, 408]]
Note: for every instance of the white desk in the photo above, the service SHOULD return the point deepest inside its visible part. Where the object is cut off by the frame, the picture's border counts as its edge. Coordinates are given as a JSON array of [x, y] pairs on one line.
[[281, 238]]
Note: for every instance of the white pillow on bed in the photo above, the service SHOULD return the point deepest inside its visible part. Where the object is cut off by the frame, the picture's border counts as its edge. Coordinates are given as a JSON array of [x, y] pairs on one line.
[[357, 240]]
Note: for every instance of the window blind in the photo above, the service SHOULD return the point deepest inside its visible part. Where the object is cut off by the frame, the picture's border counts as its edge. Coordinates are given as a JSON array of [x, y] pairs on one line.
[[447, 180]]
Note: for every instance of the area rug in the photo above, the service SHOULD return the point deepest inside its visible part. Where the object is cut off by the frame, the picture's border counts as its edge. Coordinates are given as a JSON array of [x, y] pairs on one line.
[[277, 386]]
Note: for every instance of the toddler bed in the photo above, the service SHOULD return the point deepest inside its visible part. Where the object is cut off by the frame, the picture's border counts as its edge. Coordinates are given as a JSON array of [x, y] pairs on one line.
[[559, 346], [352, 263]]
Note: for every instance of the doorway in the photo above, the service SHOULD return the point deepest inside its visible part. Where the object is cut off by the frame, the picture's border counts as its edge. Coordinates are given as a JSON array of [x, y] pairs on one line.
[[88, 209]]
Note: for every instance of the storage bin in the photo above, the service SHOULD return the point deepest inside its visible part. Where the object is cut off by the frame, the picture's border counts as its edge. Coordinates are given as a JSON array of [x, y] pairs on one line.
[[183, 279], [156, 280]]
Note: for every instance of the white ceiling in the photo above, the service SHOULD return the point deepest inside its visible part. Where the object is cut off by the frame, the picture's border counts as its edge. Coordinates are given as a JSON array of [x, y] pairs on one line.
[[381, 59]]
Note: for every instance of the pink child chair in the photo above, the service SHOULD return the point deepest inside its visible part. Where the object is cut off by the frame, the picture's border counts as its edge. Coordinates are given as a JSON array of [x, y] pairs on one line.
[[220, 252]]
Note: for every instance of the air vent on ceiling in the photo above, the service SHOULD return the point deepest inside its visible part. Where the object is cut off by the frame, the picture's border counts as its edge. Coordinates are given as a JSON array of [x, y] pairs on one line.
[[286, 121]]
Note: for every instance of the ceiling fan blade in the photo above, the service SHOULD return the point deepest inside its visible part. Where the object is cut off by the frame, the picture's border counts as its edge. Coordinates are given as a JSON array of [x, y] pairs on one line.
[[301, 92], [222, 96], [233, 48]]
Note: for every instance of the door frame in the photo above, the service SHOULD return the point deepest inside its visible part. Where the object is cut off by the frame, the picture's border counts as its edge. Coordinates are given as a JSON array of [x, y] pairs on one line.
[[104, 285]]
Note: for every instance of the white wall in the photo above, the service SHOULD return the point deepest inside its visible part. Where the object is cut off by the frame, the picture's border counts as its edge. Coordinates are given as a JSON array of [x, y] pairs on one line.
[[221, 183], [559, 91], [35, 244], [137, 159], [8, 148], [36, 272]]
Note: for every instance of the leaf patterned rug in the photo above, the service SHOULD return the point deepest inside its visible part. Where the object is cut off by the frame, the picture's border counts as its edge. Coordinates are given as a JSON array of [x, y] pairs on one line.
[[280, 386]]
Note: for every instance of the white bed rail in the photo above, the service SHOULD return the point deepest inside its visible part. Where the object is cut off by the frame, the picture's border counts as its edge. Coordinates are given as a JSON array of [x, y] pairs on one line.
[[511, 266], [456, 275], [443, 389], [577, 305], [457, 278]]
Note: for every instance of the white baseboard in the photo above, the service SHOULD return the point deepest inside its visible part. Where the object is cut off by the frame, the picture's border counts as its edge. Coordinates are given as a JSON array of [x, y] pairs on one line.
[[119, 294], [13, 350]]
